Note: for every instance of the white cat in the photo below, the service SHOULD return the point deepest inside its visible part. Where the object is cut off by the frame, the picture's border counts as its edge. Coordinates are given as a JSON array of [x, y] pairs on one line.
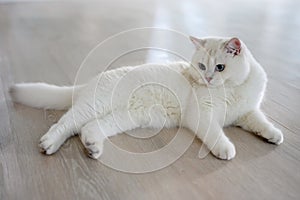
[[223, 85]]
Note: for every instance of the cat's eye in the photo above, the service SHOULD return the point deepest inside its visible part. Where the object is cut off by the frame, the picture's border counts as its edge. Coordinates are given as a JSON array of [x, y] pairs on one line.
[[219, 67], [201, 66]]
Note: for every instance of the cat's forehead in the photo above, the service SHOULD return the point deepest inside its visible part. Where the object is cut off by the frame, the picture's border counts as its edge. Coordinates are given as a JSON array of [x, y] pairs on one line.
[[214, 43], [211, 47]]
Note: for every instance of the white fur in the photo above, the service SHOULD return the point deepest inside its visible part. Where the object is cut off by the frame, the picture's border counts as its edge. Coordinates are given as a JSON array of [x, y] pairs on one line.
[[161, 95], [42, 95]]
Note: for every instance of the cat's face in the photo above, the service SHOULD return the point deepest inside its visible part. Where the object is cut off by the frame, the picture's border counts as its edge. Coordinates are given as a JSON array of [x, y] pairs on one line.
[[220, 61]]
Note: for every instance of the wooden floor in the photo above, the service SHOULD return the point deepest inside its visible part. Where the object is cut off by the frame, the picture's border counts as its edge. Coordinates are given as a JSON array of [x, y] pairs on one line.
[[47, 41]]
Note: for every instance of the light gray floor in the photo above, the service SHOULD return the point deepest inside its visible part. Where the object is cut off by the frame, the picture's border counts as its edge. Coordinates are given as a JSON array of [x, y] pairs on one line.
[[47, 41]]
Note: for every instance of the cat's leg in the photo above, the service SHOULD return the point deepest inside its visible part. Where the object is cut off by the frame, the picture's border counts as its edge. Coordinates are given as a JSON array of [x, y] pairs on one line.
[[94, 133], [216, 141], [61, 131], [212, 135], [92, 138], [255, 121]]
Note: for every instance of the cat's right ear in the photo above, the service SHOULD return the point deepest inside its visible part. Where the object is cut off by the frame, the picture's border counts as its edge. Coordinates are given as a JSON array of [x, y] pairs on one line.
[[197, 42]]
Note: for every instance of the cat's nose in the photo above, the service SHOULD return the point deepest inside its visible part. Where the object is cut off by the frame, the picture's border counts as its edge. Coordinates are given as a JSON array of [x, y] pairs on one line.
[[208, 79]]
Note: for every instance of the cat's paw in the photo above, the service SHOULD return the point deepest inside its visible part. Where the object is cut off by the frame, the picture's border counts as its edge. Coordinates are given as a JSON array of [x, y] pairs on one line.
[[224, 149], [94, 149], [93, 140], [50, 143], [274, 136]]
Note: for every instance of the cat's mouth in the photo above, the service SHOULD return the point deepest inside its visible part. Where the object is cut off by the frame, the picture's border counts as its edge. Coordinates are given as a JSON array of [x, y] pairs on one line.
[[208, 83], [211, 85]]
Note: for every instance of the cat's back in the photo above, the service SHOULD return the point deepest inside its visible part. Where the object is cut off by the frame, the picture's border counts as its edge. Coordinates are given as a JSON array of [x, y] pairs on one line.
[[119, 84]]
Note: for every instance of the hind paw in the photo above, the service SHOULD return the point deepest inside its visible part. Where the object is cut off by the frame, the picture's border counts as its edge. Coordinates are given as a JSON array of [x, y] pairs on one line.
[[94, 149]]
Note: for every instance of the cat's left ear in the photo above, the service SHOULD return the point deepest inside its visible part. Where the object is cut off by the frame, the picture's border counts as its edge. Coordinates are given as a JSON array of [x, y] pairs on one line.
[[197, 42], [233, 46]]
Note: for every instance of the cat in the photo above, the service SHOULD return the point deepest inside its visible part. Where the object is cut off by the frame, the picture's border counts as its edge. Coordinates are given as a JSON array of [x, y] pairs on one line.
[[223, 85]]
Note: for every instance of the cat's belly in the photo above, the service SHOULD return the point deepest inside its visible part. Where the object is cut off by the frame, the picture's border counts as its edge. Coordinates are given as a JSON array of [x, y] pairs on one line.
[[151, 95], [154, 106]]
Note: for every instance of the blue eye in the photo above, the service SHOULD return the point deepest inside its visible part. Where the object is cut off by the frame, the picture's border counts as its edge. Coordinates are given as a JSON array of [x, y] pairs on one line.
[[201, 66], [219, 67]]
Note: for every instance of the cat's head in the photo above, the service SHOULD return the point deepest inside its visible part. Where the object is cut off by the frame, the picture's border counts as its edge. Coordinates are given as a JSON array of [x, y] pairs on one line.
[[220, 61]]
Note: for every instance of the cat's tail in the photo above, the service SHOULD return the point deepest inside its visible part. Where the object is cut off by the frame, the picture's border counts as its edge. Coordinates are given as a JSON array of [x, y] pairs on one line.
[[43, 95]]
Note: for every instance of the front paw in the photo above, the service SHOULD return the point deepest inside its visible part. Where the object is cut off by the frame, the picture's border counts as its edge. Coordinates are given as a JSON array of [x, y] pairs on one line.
[[274, 136], [50, 143], [224, 149]]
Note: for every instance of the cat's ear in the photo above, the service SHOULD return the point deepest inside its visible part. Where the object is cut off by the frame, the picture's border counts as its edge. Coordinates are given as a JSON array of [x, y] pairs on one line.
[[197, 42], [233, 46]]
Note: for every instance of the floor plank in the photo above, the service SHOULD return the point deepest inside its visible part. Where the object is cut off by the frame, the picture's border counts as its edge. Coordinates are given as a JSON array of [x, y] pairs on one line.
[[47, 41]]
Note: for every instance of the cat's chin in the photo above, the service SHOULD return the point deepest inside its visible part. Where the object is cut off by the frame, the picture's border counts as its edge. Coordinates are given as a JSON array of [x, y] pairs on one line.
[[208, 85], [219, 85], [212, 85]]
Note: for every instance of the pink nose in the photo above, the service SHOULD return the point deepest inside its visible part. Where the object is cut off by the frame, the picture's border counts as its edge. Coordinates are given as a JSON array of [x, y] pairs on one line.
[[208, 79]]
